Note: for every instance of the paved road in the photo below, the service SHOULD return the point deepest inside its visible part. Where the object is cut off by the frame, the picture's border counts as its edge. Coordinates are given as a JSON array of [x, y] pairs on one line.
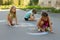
[[20, 33]]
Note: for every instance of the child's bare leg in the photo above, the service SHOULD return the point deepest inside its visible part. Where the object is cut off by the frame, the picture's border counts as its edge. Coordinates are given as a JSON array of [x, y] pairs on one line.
[[9, 20], [40, 26], [31, 18]]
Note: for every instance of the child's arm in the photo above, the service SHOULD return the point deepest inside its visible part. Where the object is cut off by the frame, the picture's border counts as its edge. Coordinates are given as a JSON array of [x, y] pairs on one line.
[[39, 24], [32, 17], [8, 20], [50, 24]]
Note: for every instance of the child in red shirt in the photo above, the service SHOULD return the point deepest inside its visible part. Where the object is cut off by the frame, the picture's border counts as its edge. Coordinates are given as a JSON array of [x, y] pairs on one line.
[[44, 23]]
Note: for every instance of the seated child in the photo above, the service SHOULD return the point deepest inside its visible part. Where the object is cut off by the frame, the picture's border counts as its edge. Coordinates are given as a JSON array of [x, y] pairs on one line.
[[44, 23], [29, 16], [11, 16]]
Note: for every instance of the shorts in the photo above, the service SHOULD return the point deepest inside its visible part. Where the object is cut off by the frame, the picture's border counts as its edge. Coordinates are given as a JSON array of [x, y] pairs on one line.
[[26, 19], [45, 26]]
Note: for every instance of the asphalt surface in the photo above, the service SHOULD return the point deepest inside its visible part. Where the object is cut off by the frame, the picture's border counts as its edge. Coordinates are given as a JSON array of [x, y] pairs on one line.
[[21, 32]]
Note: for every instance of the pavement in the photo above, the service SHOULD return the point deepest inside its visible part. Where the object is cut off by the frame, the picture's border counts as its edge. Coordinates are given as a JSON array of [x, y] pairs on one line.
[[21, 32]]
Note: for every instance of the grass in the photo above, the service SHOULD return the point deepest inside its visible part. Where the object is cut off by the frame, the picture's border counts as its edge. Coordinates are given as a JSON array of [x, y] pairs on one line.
[[38, 8]]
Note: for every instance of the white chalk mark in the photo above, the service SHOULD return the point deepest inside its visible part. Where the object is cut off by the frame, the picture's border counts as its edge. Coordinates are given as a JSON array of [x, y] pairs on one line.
[[7, 9], [2, 20], [25, 25], [41, 33]]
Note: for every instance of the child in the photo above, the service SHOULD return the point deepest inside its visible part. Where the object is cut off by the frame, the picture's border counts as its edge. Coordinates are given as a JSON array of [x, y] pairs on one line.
[[44, 23], [11, 16], [30, 15]]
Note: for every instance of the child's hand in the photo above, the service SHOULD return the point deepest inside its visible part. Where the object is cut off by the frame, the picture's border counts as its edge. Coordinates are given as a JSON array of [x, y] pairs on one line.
[[9, 24], [51, 30]]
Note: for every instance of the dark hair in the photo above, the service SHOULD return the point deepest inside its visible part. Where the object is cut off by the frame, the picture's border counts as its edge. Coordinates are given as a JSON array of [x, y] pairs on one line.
[[34, 11], [44, 14]]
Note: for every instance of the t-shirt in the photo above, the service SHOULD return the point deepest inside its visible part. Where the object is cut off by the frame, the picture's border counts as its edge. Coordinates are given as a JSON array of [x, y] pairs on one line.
[[46, 23], [12, 15], [27, 15]]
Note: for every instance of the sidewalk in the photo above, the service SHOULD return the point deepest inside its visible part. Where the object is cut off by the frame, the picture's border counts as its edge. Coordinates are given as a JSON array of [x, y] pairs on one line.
[[6, 9]]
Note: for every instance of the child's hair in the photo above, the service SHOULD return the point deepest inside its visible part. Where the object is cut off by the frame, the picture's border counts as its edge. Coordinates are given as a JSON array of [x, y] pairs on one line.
[[11, 9], [34, 11], [11, 12], [44, 14]]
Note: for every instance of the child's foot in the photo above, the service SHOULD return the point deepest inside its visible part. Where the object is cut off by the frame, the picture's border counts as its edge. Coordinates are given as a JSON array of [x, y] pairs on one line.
[[38, 29], [51, 31], [46, 30], [9, 24], [41, 31], [12, 24]]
